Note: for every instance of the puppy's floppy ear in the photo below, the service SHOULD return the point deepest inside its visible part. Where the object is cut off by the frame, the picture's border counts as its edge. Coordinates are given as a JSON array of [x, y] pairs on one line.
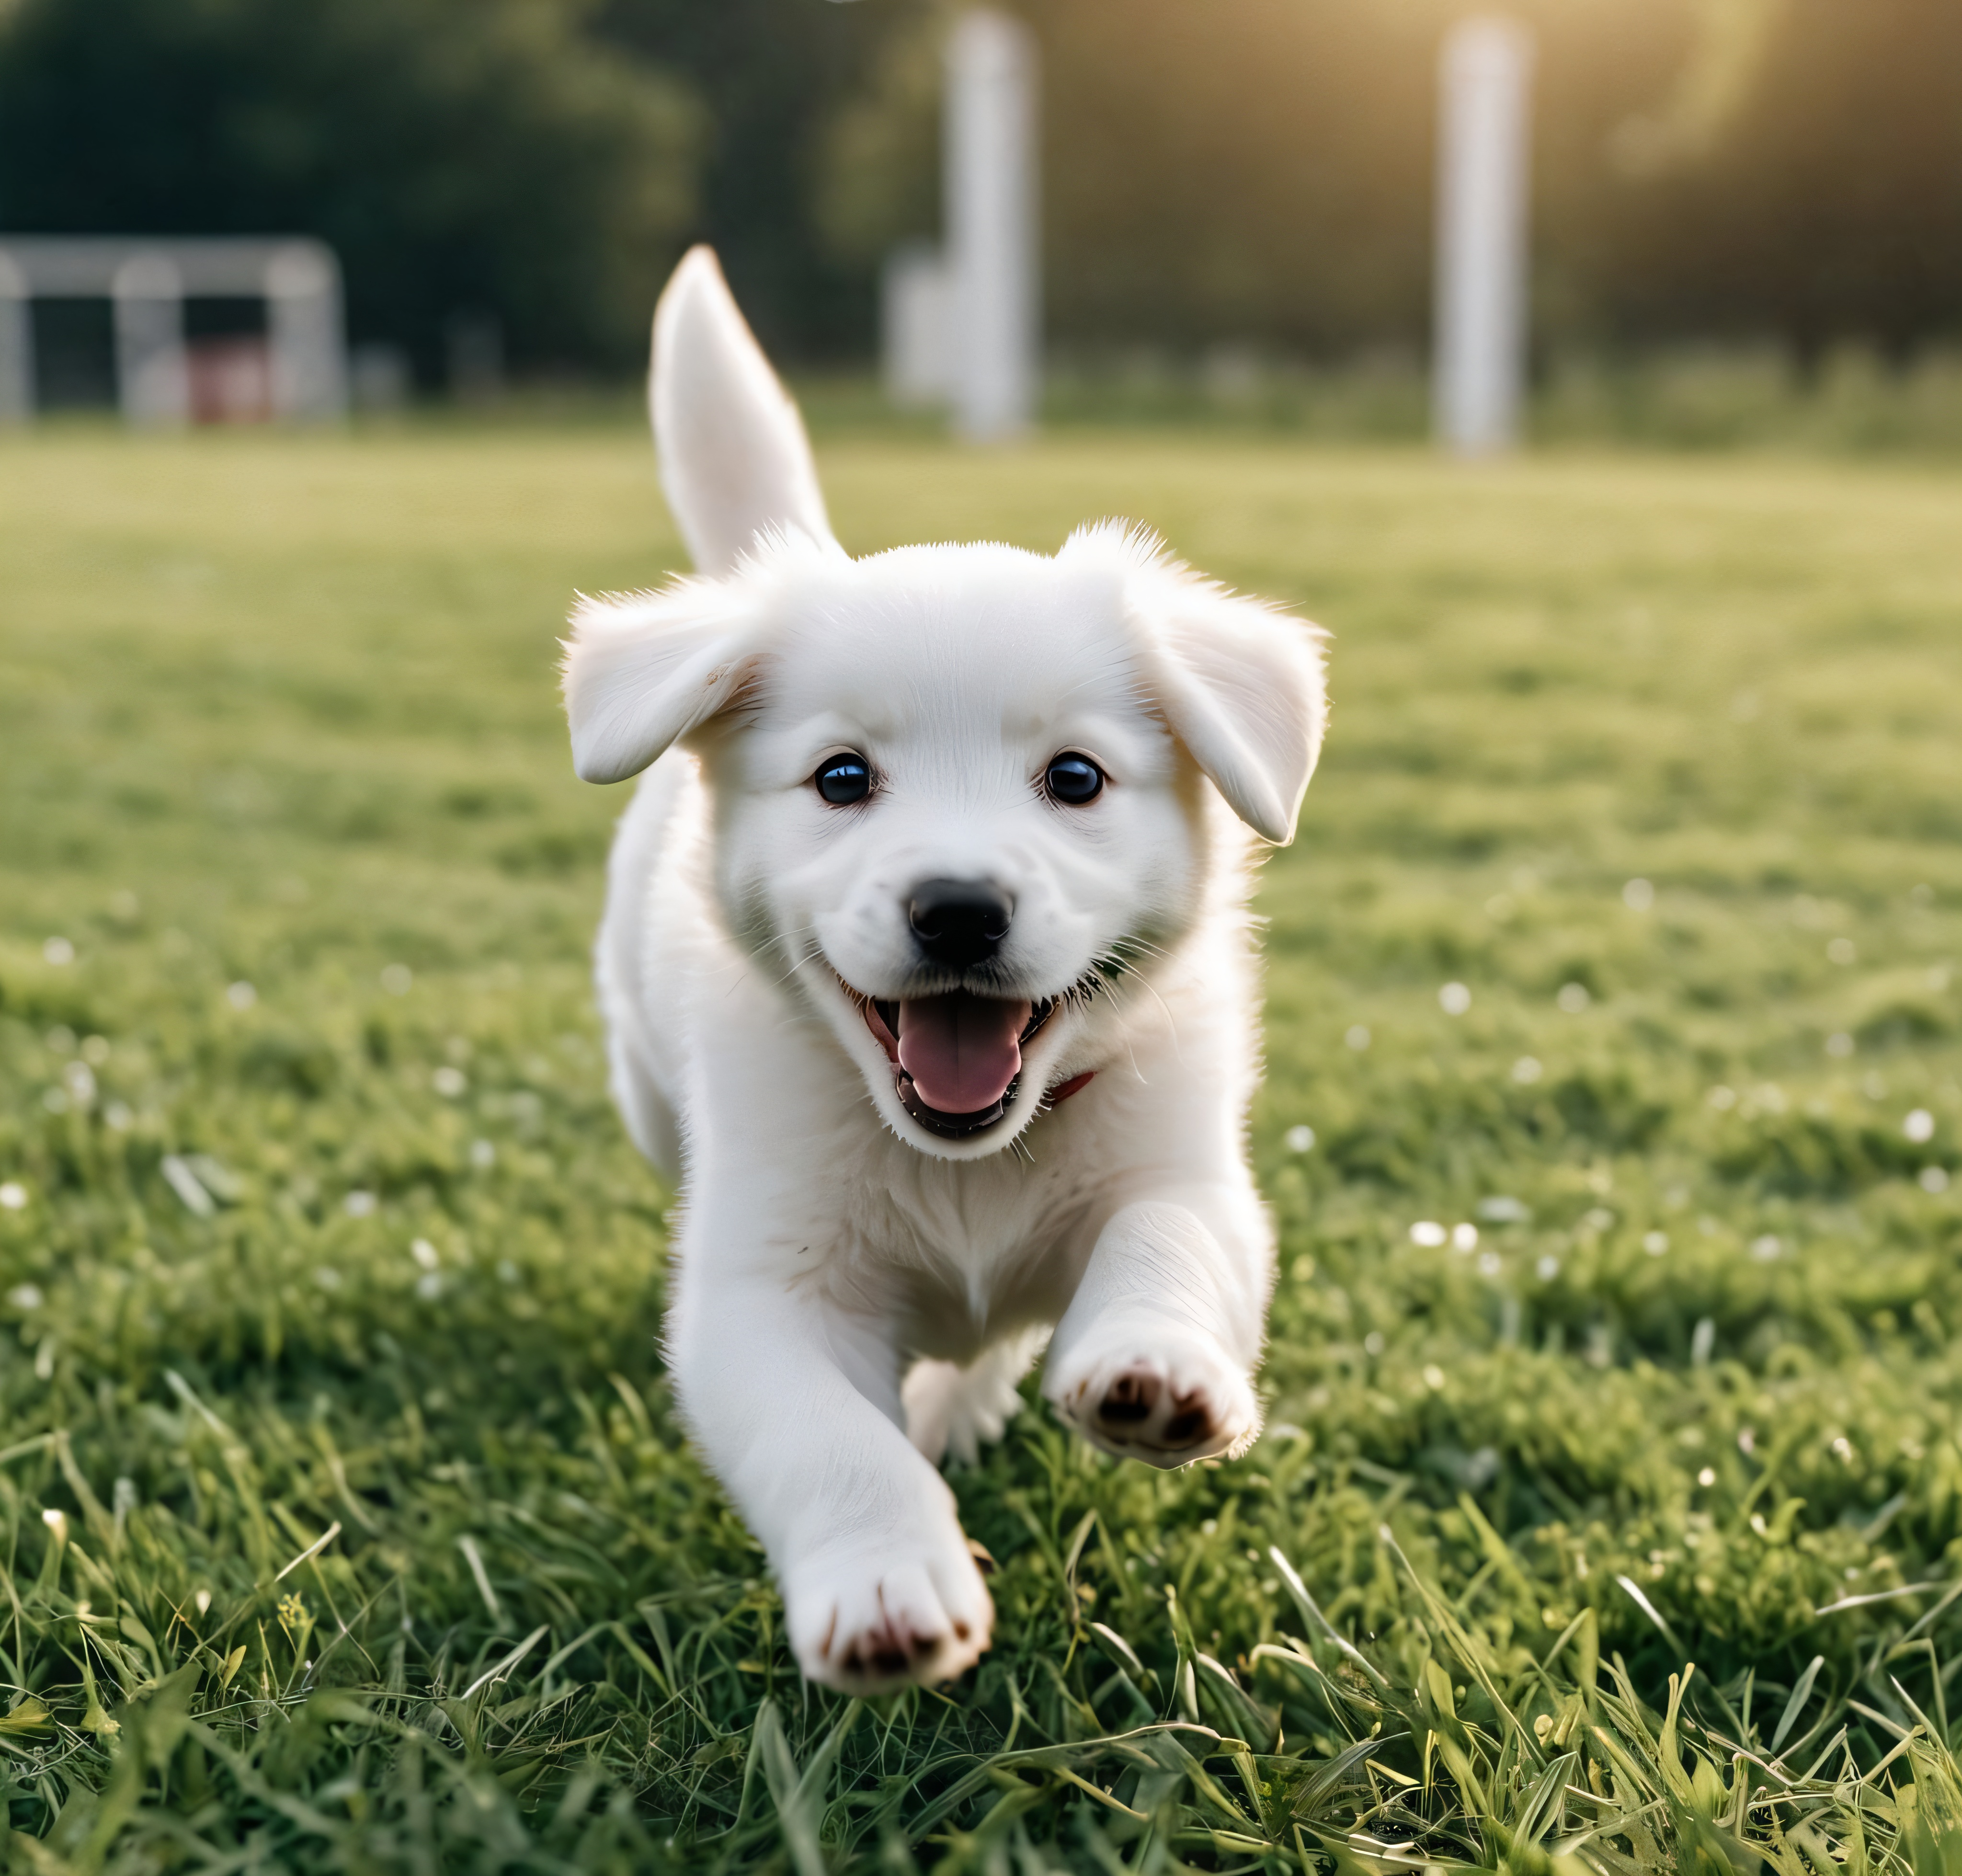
[[734, 456], [643, 669], [1240, 682]]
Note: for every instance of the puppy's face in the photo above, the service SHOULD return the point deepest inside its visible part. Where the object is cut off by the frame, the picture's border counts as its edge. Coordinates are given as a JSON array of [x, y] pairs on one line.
[[950, 814], [962, 794]]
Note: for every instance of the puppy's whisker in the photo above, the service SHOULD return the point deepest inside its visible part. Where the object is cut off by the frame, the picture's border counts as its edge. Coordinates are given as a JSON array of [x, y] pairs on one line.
[[797, 964]]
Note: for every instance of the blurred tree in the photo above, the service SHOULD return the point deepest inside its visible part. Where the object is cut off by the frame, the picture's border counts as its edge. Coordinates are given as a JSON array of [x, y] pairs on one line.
[[1249, 171], [1826, 203], [462, 156], [773, 73]]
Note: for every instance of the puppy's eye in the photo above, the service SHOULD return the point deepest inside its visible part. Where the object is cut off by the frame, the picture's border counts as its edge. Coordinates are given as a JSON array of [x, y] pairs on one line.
[[1073, 780], [844, 779]]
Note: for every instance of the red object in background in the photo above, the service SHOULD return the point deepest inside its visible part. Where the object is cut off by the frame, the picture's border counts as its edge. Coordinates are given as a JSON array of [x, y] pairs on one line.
[[230, 380]]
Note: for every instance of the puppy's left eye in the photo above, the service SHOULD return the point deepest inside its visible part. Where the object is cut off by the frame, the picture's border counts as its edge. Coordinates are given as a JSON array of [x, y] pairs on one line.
[[1073, 780], [844, 780]]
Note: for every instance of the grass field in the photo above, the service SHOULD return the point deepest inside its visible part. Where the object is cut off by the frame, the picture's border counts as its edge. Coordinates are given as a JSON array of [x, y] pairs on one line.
[[347, 1522]]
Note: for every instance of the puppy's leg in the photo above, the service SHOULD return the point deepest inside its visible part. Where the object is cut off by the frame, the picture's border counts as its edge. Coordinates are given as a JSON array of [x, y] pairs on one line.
[[957, 1410], [795, 1403], [1151, 1359]]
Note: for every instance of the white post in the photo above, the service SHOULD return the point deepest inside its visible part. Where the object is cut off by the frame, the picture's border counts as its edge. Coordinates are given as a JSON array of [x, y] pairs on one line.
[[1485, 81], [303, 321], [17, 344], [153, 375], [915, 318], [992, 223]]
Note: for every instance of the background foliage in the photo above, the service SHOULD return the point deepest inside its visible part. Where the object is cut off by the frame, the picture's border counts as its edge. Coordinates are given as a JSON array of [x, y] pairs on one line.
[[1250, 172], [347, 1521]]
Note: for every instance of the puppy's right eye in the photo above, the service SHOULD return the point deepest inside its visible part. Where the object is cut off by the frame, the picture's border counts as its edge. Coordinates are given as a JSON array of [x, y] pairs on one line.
[[844, 779]]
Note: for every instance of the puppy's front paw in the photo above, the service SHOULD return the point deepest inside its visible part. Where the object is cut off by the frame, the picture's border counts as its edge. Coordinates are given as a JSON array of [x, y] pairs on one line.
[[909, 1610], [1167, 1399]]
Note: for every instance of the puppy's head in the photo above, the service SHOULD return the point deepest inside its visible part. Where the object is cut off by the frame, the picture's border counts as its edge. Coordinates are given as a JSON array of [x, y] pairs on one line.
[[961, 793]]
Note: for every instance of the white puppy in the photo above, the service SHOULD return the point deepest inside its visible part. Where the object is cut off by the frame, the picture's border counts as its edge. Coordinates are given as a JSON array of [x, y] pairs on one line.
[[926, 964]]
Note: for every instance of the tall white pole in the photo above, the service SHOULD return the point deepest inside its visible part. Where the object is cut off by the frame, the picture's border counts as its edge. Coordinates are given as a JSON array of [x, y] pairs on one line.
[[1484, 171], [992, 224], [17, 344], [152, 374]]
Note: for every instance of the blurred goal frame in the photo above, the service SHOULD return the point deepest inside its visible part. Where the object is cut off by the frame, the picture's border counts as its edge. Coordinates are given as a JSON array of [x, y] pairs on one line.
[[147, 281]]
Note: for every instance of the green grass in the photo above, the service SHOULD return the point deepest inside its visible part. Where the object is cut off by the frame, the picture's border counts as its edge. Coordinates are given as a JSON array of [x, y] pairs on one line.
[[346, 1522]]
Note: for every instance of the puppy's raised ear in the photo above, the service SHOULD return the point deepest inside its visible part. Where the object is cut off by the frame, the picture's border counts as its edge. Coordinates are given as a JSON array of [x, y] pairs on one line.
[[734, 458], [643, 669], [1240, 682]]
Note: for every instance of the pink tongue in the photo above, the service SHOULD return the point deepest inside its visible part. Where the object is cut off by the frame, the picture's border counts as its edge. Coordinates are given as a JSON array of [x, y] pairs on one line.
[[962, 1051]]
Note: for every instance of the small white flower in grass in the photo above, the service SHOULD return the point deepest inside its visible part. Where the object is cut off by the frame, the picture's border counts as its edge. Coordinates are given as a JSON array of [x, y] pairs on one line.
[[424, 1254], [396, 978], [25, 1296], [1454, 999], [1502, 1210], [1839, 1045], [1373, 1343], [1357, 1037], [1933, 1179], [79, 1079], [449, 1082], [1722, 1098], [13, 1197], [430, 1287], [1428, 1233], [1527, 1070], [1766, 1249], [56, 1522], [1842, 950], [202, 1599], [58, 951], [1548, 1268], [1919, 1126], [1433, 1378], [240, 995], [1572, 998], [1655, 1242], [358, 1204], [1843, 1450], [1298, 1139], [483, 1155], [1490, 1263], [327, 1277], [1706, 1477], [1638, 895], [118, 1117], [1464, 1238]]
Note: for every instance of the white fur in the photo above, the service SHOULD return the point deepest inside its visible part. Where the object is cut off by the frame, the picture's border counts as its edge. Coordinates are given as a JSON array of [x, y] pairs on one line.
[[853, 1295]]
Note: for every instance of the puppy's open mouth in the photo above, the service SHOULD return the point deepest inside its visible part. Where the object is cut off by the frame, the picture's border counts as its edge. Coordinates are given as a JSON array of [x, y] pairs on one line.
[[957, 1058]]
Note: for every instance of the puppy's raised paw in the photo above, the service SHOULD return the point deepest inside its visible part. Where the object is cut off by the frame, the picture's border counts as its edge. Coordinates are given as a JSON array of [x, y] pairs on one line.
[[866, 1622], [1167, 1402]]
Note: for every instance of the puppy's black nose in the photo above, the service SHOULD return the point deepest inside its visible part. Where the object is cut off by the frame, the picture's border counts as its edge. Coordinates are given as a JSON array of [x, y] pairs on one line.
[[959, 922]]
